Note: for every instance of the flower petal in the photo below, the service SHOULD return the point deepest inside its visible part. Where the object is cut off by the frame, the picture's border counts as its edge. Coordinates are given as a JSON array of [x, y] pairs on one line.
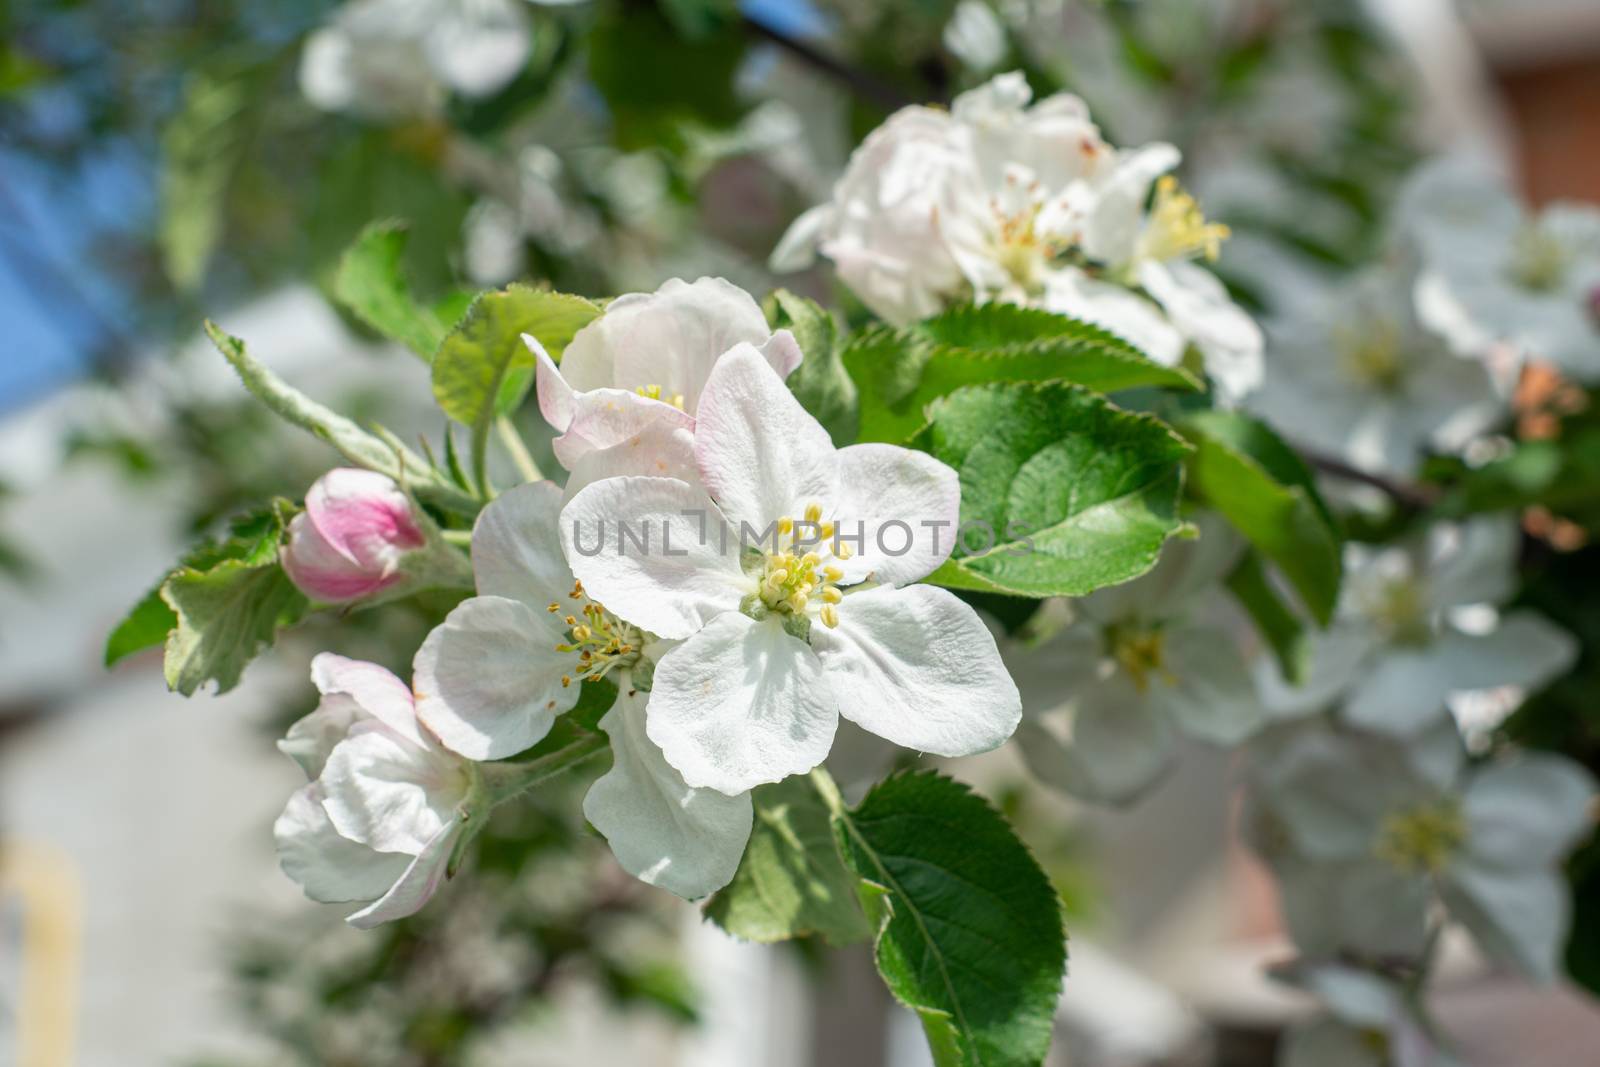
[[309, 740], [605, 418], [916, 666], [654, 551], [662, 449], [1120, 745], [915, 493], [516, 548], [379, 693], [329, 867], [387, 793], [557, 398], [1212, 696], [761, 455], [416, 886], [1200, 307], [1518, 917], [741, 703], [687, 841], [489, 677], [1526, 813]]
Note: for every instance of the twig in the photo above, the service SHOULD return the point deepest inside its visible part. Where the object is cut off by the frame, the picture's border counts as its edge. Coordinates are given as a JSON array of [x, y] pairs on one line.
[[860, 82], [1416, 497]]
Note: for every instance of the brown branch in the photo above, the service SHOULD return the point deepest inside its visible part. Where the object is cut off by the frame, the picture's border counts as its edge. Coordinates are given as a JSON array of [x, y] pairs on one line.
[[863, 83], [1415, 497]]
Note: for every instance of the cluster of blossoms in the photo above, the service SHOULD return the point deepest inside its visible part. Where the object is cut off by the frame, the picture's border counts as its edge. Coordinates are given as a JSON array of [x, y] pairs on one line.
[[997, 200], [733, 654]]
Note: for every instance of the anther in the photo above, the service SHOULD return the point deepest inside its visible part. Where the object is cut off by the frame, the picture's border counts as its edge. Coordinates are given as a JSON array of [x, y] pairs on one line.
[[832, 595], [829, 615]]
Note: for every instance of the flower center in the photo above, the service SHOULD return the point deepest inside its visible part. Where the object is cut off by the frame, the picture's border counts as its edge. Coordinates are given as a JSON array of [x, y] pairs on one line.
[[1018, 248], [797, 578], [1539, 260], [653, 392], [1177, 228], [1400, 607], [600, 639], [1372, 354], [1423, 839], [1139, 651]]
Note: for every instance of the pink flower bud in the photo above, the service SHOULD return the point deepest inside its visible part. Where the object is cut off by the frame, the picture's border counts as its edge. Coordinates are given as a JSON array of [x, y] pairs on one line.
[[352, 537]]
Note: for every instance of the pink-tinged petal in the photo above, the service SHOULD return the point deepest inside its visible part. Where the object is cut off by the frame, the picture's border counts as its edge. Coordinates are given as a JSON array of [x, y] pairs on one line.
[[416, 885], [385, 792], [328, 867], [761, 455], [660, 450], [605, 418], [916, 666], [489, 677], [905, 505], [309, 740], [782, 353], [741, 703], [556, 397], [376, 690], [654, 551], [363, 515], [516, 548], [322, 572]]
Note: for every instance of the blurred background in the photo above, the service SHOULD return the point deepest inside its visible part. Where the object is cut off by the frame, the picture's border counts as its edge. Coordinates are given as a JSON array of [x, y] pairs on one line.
[[163, 161]]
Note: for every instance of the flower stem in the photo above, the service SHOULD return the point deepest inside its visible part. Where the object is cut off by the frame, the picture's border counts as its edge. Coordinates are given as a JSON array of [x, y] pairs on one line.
[[502, 781], [518, 449], [828, 789]]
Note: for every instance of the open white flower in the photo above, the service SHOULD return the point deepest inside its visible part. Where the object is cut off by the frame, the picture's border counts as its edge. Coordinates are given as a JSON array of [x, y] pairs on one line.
[[625, 395], [1399, 645], [815, 620], [1358, 376], [1499, 273], [400, 58], [384, 809], [1412, 818], [1370, 1022], [1139, 664]]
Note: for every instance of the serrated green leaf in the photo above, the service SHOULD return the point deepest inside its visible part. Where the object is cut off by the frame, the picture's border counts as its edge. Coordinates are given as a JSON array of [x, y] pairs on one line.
[[485, 350], [970, 931], [791, 882], [1078, 493], [370, 282], [820, 383], [146, 626], [369, 450], [1247, 473], [1279, 627], [901, 371]]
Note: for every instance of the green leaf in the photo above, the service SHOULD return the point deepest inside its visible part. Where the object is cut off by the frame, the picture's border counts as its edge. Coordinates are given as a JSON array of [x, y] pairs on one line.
[[790, 882], [901, 371], [146, 626], [820, 383], [384, 454], [970, 931], [1279, 626], [227, 609], [1260, 485], [655, 81], [1078, 493], [201, 149], [371, 282], [485, 350]]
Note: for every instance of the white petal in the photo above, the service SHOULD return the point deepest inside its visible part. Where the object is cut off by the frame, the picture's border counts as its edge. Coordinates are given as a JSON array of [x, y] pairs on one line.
[[477, 48], [1338, 656], [1525, 650], [489, 677], [761, 455], [1526, 813], [330, 868], [1516, 917], [311, 738], [605, 418], [387, 793], [741, 703], [380, 694], [660, 450], [516, 548], [1122, 312], [557, 398], [1211, 695], [687, 841], [1474, 562], [1402, 692], [1200, 307], [654, 551], [1361, 906], [797, 248], [916, 666], [1119, 746], [913, 492], [1118, 215], [416, 885]]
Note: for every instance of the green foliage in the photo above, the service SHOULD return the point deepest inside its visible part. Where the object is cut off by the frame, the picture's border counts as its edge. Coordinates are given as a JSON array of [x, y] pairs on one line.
[[1079, 493], [227, 603], [900, 372], [970, 934], [820, 383], [791, 882], [1259, 484], [1279, 626], [371, 282]]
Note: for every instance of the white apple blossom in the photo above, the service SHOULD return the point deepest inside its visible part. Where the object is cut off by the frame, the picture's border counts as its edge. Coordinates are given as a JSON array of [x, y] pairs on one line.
[[386, 804], [391, 59], [1498, 272], [1401, 643], [1139, 664], [816, 619], [1356, 375], [493, 677], [624, 398], [1400, 820], [996, 200], [1371, 1021]]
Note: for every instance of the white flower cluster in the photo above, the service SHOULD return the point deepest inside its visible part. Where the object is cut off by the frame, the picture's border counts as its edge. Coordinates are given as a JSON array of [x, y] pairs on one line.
[[997, 200], [734, 654]]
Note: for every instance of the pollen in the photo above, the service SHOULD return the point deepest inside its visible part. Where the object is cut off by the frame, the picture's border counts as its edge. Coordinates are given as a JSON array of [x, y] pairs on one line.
[[1141, 652], [829, 616], [1423, 839], [654, 392], [600, 643], [797, 578], [1177, 228]]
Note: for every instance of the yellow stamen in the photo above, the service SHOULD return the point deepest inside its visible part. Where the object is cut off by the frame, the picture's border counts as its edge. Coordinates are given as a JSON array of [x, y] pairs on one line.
[[831, 595], [813, 512], [829, 615], [1177, 229]]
